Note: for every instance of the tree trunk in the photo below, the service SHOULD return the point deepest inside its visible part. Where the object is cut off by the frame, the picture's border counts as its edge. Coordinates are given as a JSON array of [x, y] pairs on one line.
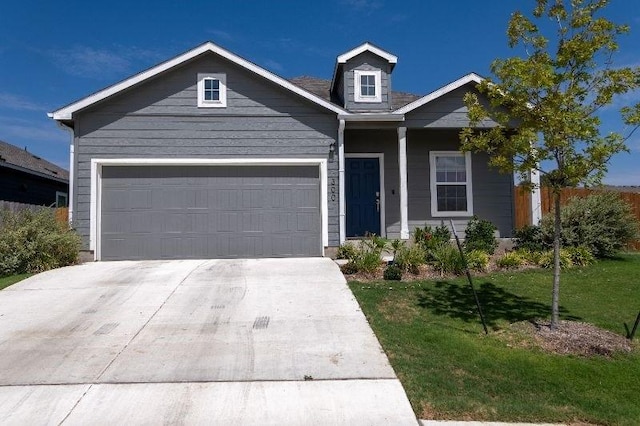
[[557, 229]]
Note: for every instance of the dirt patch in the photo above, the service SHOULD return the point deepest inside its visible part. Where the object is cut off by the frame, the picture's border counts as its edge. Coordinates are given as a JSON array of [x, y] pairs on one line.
[[569, 338]]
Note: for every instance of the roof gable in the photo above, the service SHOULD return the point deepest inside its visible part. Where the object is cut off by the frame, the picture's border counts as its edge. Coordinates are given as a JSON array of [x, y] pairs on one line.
[[469, 78], [367, 47], [66, 112]]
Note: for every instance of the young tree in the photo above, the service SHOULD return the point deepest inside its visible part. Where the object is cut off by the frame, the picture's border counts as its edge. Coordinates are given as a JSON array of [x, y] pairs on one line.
[[546, 102]]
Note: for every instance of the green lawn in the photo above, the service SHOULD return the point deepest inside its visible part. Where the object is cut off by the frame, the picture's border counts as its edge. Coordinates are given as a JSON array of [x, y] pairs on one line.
[[451, 370], [12, 279]]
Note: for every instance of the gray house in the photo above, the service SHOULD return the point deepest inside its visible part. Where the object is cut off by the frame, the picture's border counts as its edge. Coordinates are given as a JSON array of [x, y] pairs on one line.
[[209, 155]]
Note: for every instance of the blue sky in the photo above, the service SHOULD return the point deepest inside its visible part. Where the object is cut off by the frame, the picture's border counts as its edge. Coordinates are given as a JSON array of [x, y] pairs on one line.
[[52, 53]]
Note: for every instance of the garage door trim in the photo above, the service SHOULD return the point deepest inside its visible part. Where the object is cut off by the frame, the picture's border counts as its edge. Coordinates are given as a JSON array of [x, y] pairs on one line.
[[96, 183]]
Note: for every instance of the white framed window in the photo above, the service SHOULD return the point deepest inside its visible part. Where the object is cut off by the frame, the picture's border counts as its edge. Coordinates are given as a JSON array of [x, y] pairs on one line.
[[450, 183], [62, 199], [367, 86], [212, 90]]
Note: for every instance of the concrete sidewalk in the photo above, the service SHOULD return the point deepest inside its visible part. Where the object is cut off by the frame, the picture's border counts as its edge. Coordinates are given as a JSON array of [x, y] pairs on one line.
[[271, 341]]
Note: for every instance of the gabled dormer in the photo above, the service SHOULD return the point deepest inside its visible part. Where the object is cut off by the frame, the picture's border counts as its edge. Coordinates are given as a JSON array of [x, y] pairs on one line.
[[362, 79]]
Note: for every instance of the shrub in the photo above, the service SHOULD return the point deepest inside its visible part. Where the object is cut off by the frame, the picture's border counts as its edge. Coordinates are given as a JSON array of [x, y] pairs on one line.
[[392, 273], [349, 268], [480, 235], [430, 239], [410, 258], [347, 251], [530, 257], [530, 238], [510, 260], [580, 256], [32, 242], [546, 259], [601, 222], [447, 259], [477, 260]]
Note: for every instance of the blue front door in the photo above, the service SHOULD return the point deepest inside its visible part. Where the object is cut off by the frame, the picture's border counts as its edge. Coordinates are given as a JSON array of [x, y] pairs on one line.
[[363, 196]]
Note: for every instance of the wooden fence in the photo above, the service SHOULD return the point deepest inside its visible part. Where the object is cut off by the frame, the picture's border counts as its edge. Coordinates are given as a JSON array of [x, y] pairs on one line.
[[523, 204], [62, 213]]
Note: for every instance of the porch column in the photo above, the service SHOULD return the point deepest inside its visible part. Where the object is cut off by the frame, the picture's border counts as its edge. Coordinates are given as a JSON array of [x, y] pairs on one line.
[[342, 211], [404, 199], [536, 201]]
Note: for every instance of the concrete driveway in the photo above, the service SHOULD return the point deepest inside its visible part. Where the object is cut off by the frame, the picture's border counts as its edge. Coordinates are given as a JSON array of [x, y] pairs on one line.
[[247, 342]]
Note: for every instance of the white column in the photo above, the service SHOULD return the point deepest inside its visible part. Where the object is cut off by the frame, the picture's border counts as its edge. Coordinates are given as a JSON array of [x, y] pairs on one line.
[[341, 184], [536, 202], [404, 199], [72, 173]]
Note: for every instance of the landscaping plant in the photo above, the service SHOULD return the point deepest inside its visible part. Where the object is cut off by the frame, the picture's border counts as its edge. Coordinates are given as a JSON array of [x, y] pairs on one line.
[[554, 88], [480, 235], [34, 241]]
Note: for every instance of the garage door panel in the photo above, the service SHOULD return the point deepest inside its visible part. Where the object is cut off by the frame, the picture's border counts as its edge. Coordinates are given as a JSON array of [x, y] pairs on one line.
[[160, 212]]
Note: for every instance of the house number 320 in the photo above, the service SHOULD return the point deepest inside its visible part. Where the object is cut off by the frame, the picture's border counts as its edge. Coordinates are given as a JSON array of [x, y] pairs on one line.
[[333, 189]]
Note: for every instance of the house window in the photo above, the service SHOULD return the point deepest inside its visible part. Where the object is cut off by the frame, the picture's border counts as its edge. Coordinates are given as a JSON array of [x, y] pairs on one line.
[[62, 199], [450, 173], [368, 86], [212, 90]]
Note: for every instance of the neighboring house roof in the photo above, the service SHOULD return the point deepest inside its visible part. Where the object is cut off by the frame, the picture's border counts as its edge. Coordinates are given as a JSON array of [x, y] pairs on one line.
[[20, 159], [322, 88], [469, 78], [66, 113]]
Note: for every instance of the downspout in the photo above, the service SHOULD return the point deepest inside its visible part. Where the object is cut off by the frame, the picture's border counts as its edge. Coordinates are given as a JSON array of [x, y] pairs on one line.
[[341, 183], [71, 170]]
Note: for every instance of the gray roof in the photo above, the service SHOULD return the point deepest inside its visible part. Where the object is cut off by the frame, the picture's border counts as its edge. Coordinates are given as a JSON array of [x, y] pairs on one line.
[[322, 87], [21, 159]]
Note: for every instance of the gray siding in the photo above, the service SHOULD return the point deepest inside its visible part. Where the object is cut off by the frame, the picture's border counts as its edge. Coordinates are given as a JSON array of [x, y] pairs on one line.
[[448, 111], [160, 119], [492, 191], [369, 62]]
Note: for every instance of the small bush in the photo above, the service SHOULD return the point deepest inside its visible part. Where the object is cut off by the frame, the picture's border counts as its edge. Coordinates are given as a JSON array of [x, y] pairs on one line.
[[431, 238], [477, 260], [410, 258], [580, 256], [603, 222], [447, 260], [32, 242], [392, 273], [510, 260], [530, 238], [349, 268], [366, 256], [480, 235], [530, 257], [546, 259], [347, 251]]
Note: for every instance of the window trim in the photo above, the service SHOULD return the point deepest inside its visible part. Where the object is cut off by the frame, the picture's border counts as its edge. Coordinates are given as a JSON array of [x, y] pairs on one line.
[[357, 93], [222, 102], [433, 184]]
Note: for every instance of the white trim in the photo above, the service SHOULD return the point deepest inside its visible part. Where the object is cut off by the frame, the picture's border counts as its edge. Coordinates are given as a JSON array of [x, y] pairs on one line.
[[72, 173], [404, 195], [222, 101], [357, 86], [469, 78], [66, 113], [372, 116], [341, 184], [96, 183], [380, 157], [432, 184], [392, 59]]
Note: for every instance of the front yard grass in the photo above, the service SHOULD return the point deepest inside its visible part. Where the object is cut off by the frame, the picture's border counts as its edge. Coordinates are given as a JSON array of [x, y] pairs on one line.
[[12, 279], [450, 370]]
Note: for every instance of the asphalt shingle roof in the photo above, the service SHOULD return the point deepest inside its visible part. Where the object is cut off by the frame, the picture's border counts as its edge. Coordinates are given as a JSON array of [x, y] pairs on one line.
[[321, 87], [12, 155]]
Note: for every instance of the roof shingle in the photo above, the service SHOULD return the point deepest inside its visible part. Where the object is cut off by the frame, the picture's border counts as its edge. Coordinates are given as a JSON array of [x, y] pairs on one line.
[[12, 155]]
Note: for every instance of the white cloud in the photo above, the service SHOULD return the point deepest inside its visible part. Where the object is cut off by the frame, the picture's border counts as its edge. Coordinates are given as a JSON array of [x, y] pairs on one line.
[[11, 101], [221, 35], [363, 4], [19, 130], [270, 64]]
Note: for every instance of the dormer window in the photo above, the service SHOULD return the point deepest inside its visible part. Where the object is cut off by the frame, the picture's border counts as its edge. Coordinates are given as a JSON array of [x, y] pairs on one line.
[[367, 86], [212, 90]]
